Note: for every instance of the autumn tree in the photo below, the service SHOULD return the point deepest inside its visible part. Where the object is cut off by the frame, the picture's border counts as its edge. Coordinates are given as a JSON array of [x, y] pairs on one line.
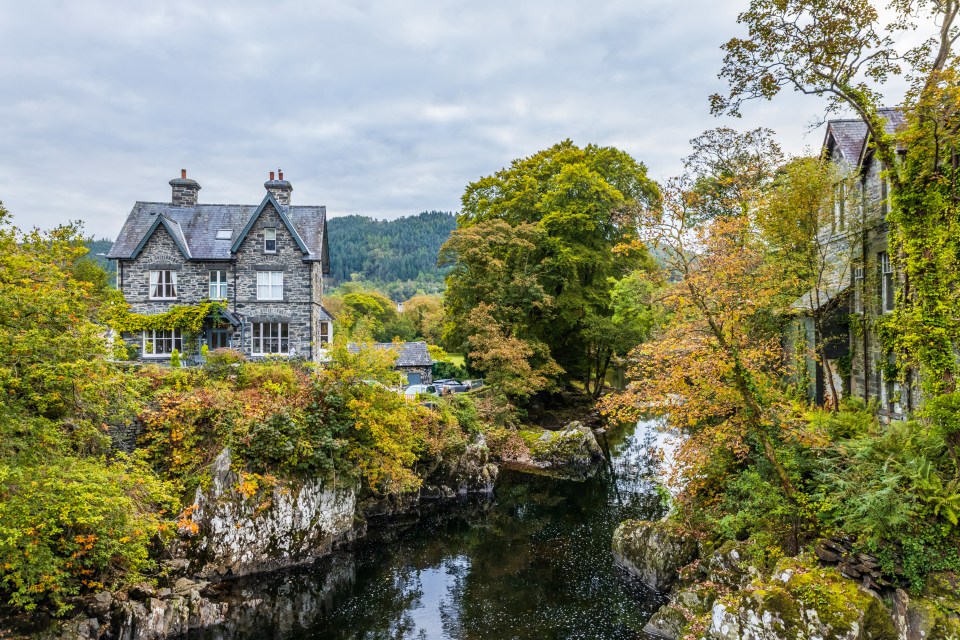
[[811, 221], [839, 50]]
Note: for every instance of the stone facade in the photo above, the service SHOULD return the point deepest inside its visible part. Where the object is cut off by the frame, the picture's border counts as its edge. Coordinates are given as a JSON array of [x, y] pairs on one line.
[[187, 242], [856, 353]]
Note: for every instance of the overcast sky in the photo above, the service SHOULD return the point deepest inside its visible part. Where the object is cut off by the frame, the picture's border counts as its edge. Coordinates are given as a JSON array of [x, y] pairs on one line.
[[377, 108]]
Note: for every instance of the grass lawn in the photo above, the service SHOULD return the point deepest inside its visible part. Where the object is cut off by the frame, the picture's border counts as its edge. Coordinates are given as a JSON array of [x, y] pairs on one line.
[[456, 358]]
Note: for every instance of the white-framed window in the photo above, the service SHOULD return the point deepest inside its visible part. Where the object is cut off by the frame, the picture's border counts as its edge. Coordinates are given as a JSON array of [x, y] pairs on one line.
[[218, 284], [161, 343], [886, 283], [270, 240], [270, 285], [326, 332], [839, 207], [271, 337], [163, 285], [858, 282]]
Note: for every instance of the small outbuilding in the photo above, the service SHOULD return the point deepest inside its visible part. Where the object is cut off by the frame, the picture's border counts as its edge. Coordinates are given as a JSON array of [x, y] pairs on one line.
[[413, 359]]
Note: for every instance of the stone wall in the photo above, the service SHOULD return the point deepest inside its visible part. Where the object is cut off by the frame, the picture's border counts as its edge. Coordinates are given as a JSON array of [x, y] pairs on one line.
[[302, 284]]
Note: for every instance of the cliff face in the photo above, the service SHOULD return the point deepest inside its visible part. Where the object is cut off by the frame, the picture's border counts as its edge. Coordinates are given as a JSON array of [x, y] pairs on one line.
[[294, 523]]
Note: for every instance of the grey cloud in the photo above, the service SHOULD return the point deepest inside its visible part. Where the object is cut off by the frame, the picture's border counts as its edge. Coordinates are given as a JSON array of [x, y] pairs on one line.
[[381, 108]]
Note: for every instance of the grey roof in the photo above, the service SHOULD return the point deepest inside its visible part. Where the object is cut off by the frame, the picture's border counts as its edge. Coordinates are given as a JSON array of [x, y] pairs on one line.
[[196, 227], [851, 135], [325, 315], [409, 354]]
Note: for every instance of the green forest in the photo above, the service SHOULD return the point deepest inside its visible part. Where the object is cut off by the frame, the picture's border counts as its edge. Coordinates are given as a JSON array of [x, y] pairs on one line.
[[390, 251]]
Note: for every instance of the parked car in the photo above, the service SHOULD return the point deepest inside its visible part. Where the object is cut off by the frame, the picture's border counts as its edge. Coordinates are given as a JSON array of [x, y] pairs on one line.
[[449, 385], [414, 390]]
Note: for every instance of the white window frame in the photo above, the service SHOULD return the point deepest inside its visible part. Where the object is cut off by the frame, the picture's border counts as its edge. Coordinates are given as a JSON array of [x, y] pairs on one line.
[[218, 289], [325, 332], [269, 285], [270, 235], [887, 292], [164, 337], [858, 288], [270, 338], [163, 281], [839, 207]]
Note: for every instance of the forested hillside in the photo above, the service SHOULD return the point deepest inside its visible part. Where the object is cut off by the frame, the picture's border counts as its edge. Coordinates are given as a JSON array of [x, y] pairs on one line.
[[385, 251]]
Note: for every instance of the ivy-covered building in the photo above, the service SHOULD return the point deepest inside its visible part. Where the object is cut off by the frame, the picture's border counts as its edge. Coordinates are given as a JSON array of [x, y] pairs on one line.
[[264, 263], [857, 286]]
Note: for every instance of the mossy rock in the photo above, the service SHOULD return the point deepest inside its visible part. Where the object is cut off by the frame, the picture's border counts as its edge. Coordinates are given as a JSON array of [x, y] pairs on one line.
[[652, 551], [801, 601]]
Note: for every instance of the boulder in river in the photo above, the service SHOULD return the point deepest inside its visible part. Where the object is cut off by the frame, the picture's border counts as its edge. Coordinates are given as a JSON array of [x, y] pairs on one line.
[[652, 551]]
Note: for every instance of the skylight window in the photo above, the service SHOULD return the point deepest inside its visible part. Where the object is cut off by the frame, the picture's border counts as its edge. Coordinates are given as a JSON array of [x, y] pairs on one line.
[[224, 234]]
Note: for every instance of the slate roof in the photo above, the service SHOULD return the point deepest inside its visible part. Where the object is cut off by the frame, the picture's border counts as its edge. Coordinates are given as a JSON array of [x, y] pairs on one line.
[[409, 354], [197, 227], [851, 135]]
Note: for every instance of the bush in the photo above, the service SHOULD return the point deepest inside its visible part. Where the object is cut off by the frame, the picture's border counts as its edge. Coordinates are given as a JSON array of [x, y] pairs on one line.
[[221, 363], [77, 524]]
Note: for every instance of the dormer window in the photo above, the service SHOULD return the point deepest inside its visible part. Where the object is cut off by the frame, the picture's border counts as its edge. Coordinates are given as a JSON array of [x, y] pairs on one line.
[[270, 240]]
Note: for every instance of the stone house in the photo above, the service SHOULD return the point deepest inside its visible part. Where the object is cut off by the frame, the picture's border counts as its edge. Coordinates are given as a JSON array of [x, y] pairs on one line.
[[413, 359], [265, 261], [858, 283]]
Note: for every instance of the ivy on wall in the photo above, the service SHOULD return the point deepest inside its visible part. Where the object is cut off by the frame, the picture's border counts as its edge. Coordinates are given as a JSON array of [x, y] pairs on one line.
[[188, 318], [924, 329]]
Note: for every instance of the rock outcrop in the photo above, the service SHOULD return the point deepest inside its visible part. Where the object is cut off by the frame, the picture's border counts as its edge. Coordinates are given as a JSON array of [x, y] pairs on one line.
[[652, 551], [570, 453], [722, 596], [291, 523]]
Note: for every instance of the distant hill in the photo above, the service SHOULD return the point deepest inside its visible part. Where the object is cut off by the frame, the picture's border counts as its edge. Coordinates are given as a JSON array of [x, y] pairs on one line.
[[397, 256], [98, 250], [385, 251]]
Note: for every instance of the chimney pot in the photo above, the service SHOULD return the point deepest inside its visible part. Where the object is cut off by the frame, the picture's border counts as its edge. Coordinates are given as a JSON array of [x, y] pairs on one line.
[[185, 191], [279, 187]]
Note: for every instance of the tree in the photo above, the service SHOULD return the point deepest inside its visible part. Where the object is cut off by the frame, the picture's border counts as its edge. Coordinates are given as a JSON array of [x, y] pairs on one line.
[[715, 366], [837, 49], [808, 221], [568, 206]]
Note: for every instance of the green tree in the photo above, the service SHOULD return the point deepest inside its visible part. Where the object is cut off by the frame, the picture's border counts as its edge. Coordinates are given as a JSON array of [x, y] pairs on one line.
[[535, 244]]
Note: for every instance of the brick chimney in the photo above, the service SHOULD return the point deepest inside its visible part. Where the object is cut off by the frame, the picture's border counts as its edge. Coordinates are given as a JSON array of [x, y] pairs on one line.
[[185, 191], [279, 187]]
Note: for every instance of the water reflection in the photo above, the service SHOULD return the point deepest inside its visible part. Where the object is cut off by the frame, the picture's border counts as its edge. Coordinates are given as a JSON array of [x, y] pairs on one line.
[[533, 563]]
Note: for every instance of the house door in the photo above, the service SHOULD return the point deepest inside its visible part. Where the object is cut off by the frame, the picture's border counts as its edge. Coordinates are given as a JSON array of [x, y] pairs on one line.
[[218, 339], [413, 378]]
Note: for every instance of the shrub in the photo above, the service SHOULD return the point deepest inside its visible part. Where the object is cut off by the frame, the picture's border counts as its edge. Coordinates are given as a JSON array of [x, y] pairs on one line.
[[77, 524], [221, 363]]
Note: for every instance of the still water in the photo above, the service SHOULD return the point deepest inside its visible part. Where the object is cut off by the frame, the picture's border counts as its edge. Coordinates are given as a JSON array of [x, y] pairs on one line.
[[534, 562]]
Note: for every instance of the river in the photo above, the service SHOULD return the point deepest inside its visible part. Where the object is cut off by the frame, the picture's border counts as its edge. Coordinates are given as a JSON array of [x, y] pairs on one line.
[[533, 562]]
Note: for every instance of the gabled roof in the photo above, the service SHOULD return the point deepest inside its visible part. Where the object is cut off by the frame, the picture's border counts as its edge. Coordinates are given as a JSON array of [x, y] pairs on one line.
[[269, 199], [409, 354], [196, 228], [850, 137], [172, 227]]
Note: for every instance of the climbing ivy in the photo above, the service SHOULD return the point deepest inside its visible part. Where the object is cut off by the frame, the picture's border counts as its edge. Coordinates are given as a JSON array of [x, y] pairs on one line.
[[924, 329], [188, 318]]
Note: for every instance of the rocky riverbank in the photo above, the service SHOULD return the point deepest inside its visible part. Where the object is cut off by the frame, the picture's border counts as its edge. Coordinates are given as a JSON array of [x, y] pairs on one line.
[[234, 529], [721, 595]]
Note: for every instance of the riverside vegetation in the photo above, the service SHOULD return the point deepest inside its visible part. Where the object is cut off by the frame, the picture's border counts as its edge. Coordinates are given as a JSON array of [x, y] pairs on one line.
[[564, 266]]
